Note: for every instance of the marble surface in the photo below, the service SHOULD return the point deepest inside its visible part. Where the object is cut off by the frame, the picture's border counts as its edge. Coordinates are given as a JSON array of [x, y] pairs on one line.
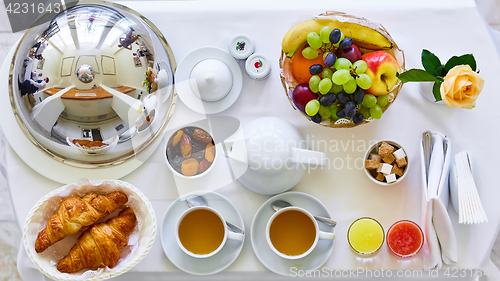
[[10, 234]]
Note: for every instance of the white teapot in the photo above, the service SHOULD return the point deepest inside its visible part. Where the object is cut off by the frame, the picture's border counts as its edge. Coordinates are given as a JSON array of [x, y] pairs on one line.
[[270, 156]]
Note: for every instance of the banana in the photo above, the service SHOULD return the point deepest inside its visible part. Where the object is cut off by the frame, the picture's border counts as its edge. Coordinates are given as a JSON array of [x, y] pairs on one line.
[[363, 37]]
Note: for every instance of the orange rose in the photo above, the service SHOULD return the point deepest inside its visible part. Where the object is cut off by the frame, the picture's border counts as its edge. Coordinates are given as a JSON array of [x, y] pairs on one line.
[[461, 87]]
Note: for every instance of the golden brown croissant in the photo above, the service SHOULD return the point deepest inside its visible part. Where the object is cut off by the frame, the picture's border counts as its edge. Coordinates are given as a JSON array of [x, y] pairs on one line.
[[77, 214], [100, 245]]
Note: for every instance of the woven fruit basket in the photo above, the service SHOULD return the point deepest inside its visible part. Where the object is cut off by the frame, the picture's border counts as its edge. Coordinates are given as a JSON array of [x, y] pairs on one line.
[[366, 35], [140, 239]]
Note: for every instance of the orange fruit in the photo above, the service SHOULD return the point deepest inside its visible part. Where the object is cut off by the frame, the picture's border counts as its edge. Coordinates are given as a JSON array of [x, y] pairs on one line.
[[300, 65]]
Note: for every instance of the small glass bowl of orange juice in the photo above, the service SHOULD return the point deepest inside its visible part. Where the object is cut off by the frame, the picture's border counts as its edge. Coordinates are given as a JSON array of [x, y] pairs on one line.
[[365, 236]]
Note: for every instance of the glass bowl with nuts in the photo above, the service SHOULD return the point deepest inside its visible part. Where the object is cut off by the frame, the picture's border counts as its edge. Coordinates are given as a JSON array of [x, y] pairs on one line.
[[190, 152]]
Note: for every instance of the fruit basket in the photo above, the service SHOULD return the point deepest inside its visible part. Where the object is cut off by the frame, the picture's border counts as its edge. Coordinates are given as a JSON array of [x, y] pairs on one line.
[[370, 43]]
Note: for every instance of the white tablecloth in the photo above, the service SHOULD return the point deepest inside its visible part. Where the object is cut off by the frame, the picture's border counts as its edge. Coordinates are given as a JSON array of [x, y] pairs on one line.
[[446, 28]]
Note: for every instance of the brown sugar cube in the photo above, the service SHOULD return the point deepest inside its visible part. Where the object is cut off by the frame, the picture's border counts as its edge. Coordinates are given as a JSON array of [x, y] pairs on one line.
[[397, 170], [380, 177], [372, 164], [401, 162], [389, 158], [385, 149]]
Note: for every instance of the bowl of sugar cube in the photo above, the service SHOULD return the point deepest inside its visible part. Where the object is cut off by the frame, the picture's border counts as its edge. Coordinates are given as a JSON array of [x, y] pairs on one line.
[[386, 162]]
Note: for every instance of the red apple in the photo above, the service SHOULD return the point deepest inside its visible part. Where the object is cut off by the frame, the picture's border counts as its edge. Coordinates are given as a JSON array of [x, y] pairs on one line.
[[353, 53], [382, 69], [302, 95]]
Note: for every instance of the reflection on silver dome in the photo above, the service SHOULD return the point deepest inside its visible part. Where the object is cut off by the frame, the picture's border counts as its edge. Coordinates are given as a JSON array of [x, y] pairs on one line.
[[85, 73], [85, 77]]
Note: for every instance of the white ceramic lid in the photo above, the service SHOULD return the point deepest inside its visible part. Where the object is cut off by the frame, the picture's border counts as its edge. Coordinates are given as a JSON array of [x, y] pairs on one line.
[[258, 66], [241, 46], [211, 79]]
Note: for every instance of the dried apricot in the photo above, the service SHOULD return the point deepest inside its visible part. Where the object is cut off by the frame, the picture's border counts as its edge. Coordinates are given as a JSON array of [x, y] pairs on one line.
[[190, 167], [210, 152]]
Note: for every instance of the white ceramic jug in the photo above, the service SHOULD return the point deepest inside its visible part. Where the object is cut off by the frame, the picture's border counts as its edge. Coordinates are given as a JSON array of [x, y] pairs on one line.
[[270, 156]]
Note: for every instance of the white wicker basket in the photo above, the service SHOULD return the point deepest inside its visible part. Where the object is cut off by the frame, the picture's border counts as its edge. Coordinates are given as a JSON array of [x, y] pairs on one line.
[[140, 240]]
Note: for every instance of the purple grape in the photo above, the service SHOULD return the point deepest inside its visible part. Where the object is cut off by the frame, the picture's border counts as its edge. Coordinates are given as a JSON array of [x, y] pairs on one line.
[[341, 113], [328, 99], [346, 43], [350, 109], [330, 59], [316, 118], [343, 98], [315, 69], [358, 118], [335, 36], [359, 94]]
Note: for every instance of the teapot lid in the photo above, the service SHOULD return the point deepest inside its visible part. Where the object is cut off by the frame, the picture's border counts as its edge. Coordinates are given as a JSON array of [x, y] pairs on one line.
[[213, 79]]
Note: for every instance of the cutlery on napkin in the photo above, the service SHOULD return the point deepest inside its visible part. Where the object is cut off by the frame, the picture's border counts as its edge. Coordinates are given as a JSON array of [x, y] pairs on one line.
[[441, 243], [464, 191]]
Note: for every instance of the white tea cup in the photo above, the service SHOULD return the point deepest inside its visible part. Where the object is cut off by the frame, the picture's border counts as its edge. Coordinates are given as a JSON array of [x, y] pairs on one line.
[[227, 234], [320, 235]]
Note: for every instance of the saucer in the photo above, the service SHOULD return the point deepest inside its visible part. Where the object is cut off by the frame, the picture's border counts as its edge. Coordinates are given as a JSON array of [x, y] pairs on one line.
[[183, 73], [200, 266], [264, 253]]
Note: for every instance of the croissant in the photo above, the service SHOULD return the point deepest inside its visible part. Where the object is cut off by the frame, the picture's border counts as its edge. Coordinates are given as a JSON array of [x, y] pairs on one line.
[[77, 214], [100, 245]]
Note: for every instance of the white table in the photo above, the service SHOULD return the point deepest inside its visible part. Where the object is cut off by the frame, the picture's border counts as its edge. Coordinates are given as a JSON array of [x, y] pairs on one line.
[[445, 27]]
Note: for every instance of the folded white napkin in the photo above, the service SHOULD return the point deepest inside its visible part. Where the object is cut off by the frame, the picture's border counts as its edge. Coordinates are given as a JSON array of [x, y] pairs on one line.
[[440, 243]]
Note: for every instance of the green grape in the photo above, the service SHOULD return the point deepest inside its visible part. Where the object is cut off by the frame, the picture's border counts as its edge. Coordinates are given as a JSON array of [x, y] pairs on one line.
[[310, 53], [325, 85], [342, 63], [382, 101], [364, 81], [360, 66], [327, 73], [369, 101], [314, 83], [365, 111], [324, 33], [336, 88], [340, 40], [350, 86], [340, 77], [312, 107], [325, 112], [376, 111], [313, 40], [333, 111]]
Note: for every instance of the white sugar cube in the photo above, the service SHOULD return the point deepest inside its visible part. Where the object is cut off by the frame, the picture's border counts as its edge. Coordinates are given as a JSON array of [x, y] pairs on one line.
[[390, 178], [386, 169], [375, 157], [399, 153]]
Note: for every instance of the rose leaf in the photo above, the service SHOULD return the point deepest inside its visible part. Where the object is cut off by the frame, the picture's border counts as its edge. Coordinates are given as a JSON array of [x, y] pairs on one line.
[[436, 91], [467, 59], [431, 63], [417, 75]]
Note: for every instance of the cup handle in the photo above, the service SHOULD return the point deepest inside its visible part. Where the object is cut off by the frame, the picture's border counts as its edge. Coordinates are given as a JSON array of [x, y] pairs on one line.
[[234, 236], [326, 235]]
